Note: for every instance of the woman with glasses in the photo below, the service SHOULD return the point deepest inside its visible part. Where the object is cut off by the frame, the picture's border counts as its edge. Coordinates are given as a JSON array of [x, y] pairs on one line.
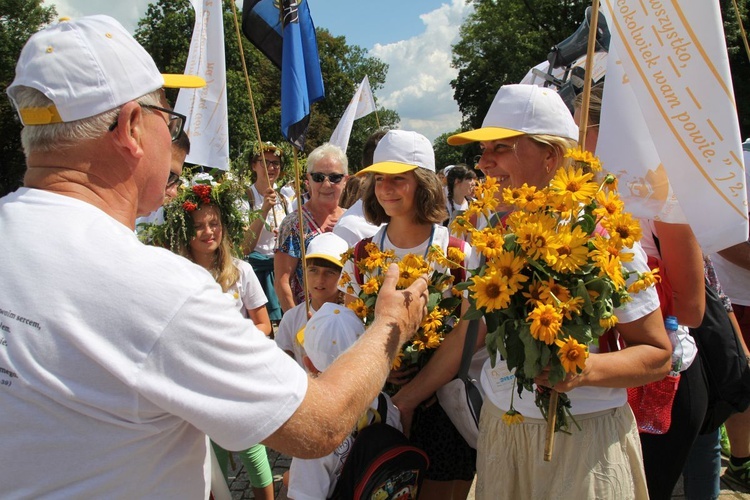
[[260, 238], [326, 177]]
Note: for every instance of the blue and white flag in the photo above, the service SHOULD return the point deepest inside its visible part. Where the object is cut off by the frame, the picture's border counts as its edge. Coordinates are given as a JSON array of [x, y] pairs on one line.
[[283, 30]]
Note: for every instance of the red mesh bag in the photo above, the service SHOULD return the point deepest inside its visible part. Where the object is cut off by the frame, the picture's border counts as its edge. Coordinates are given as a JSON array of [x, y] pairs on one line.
[[652, 404]]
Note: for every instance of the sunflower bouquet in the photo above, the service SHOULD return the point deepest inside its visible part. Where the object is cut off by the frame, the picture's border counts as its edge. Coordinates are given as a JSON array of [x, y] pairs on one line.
[[444, 300], [552, 274]]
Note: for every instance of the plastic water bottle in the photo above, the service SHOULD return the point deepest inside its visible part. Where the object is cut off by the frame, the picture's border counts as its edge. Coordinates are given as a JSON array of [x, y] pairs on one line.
[[671, 325]]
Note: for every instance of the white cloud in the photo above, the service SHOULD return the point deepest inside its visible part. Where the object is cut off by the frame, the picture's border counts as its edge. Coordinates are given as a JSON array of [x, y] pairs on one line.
[[419, 75]]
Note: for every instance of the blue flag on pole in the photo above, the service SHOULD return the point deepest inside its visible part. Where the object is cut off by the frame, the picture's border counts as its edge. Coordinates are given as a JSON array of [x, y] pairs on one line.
[[283, 30]]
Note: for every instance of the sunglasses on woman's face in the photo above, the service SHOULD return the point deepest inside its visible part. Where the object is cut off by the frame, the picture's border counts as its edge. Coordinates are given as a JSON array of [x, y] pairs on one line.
[[321, 177]]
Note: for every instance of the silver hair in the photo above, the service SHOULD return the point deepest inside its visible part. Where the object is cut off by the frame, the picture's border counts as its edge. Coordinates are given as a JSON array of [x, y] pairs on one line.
[[60, 136], [327, 150]]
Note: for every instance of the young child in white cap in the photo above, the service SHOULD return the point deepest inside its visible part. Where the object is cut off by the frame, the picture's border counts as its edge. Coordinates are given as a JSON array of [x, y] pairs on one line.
[[323, 264], [330, 332]]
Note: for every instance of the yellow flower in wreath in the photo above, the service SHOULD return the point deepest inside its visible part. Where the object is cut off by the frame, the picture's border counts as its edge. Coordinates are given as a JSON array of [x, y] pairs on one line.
[[572, 354], [546, 321]]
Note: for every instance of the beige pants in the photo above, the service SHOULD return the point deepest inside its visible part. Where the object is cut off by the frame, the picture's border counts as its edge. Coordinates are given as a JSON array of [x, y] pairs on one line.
[[601, 461]]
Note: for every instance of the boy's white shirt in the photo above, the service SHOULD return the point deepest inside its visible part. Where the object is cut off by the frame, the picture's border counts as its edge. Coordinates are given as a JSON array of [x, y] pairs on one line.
[[315, 479], [286, 336]]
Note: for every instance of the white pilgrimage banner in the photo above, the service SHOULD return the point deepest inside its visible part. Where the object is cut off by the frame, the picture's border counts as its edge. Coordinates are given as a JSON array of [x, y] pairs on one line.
[[362, 104], [206, 108], [669, 111]]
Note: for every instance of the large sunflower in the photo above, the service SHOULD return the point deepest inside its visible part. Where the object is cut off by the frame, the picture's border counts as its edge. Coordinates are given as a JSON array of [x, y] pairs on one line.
[[490, 291], [572, 354], [545, 323]]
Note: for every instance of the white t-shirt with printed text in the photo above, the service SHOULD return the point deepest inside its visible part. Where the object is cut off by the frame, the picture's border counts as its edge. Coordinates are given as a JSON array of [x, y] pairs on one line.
[[118, 358]]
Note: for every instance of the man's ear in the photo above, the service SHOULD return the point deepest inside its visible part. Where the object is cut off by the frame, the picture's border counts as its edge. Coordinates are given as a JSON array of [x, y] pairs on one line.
[[130, 129], [309, 365]]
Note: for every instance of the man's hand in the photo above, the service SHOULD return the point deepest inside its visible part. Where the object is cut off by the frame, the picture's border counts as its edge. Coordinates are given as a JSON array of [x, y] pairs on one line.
[[405, 309]]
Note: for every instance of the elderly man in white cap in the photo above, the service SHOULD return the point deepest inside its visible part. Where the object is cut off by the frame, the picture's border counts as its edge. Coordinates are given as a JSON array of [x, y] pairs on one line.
[[116, 358]]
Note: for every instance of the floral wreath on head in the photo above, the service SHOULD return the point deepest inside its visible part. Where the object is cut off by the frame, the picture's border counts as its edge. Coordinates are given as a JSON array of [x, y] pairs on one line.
[[218, 188], [242, 167]]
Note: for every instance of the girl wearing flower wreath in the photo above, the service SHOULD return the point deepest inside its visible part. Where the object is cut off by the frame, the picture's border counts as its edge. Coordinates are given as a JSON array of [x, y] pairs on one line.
[[524, 139], [206, 227], [405, 195]]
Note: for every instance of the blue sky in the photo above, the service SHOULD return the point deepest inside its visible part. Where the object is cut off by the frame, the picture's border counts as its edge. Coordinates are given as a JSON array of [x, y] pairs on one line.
[[412, 36]]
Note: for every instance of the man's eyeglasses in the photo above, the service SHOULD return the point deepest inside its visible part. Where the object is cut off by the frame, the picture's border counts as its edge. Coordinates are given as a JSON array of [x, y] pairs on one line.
[[176, 122], [321, 177], [173, 180]]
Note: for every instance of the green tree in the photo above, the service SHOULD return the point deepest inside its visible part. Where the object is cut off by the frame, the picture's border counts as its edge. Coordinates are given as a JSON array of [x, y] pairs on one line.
[[739, 61], [19, 19], [450, 155], [500, 41], [165, 32]]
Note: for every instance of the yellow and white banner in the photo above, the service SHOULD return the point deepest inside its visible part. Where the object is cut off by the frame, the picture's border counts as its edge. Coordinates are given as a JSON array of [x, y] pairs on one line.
[[206, 108], [669, 125], [362, 104]]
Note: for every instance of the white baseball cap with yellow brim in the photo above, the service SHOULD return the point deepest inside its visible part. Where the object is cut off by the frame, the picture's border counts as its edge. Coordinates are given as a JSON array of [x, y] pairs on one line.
[[86, 67], [401, 151], [522, 109], [327, 246]]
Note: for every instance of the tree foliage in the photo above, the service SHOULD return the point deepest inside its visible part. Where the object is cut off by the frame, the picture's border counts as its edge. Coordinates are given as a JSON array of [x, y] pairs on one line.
[[503, 39], [165, 32], [19, 19], [450, 155], [500, 41], [739, 60]]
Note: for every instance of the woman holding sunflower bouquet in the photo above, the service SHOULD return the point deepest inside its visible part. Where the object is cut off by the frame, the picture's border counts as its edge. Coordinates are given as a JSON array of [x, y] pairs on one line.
[[405, 195], [543, 294], [204, 224]]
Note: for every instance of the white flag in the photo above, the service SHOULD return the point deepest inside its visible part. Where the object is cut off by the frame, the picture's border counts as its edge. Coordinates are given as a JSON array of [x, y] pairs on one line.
[[669, 118], [362, 104], [206, 108]]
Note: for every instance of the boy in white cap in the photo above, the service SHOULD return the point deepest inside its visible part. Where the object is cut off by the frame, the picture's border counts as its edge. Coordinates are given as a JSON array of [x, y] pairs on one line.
[[117, 358], [331, 331], [323, 263]]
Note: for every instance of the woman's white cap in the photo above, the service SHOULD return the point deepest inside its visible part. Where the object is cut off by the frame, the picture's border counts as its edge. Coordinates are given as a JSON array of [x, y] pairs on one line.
[[522, 109]]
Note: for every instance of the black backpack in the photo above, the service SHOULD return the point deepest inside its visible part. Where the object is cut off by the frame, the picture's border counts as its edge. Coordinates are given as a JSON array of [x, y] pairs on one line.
[[382, 464], [724, 364]]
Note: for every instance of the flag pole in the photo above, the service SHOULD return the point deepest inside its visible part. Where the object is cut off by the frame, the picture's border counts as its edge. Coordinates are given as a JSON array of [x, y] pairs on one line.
[[252, 107], [742, 28], [549, 443], [300, 214]]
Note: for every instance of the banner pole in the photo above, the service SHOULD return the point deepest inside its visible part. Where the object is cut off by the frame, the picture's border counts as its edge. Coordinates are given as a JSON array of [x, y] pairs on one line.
[[252, 107]]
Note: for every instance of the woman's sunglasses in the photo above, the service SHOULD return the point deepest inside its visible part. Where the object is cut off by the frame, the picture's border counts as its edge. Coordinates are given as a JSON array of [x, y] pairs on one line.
[[321, 177]]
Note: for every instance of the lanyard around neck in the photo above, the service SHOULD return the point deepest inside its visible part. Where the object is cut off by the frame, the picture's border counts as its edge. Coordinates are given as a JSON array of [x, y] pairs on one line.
[[429, 243]]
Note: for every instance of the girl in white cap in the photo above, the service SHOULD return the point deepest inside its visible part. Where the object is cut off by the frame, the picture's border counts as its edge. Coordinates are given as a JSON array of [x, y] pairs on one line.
[[406, 196]]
